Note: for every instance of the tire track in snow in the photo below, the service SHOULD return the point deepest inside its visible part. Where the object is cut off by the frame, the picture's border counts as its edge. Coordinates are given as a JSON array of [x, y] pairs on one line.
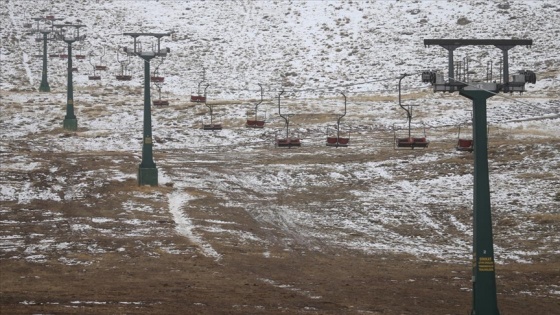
[[184, 225]]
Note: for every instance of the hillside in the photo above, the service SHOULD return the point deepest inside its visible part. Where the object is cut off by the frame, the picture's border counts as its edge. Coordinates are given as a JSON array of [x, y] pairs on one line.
[[238, 226]]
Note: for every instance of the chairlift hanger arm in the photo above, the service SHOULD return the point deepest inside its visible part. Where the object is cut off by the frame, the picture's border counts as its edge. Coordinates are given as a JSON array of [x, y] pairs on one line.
[[340, 117], [407, 110]]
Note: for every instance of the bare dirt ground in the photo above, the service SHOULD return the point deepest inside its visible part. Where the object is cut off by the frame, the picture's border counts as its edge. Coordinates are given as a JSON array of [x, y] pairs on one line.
[[96, 243], [296, 275]]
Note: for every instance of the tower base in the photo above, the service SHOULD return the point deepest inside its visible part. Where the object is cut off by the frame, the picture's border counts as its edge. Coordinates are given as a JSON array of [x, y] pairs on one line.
[[147, 176], [70, 124]]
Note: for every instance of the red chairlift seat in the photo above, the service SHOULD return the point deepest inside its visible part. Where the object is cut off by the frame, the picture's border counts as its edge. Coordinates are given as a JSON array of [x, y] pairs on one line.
[[157, 79], [212, 127], [49, 17], [412, 142], [343, 141], [80, 57], [63, 56], [54, 55], [123, 77], [465, 145], [102, 68], [251, 123], [198, 98], [94, 77], [288, 142], [161, 103], [331, 141], [337, 142]]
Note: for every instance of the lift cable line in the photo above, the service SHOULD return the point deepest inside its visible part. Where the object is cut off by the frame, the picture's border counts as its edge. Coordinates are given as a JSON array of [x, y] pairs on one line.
[[326, 88]]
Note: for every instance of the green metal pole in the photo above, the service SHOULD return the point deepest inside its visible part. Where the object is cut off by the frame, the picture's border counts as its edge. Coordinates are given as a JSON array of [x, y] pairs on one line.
[[44, 87], [484, 275], [70, 121], [147, 171]]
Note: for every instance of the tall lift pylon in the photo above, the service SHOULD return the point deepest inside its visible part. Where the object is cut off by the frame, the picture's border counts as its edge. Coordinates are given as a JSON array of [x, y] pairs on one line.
[[483, 266]]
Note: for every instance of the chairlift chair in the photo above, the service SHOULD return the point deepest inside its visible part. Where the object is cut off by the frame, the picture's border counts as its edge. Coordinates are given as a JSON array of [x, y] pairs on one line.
[[408, 142], [124, 65], [155, 77], [79, 55], [333, 138], [160, 102], [212, 125], [464, 142], [198, 98], [288, 141], [93, 77], [256, 123], [101, 66]]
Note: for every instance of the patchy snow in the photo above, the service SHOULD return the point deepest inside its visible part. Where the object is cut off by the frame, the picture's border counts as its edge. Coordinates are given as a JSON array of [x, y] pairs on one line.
[[184, 225], [313, 49]]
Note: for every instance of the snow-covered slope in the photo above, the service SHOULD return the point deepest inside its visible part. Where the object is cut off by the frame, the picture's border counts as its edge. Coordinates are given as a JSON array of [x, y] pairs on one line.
[[296, 44]]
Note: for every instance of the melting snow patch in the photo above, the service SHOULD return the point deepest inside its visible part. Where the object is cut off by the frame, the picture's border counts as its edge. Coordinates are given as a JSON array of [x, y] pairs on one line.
[[184, 225]]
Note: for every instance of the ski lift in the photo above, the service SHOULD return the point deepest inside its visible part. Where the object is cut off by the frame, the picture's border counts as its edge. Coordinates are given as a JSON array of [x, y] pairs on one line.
[[464, 142], [198, 98], [93, 77], [160, 102], [256, 123], [39, 53], [212, 125], [100, 66], [333, 138], [79, 55], [124, 65], [409, 141], [288, 141], [155, 77]]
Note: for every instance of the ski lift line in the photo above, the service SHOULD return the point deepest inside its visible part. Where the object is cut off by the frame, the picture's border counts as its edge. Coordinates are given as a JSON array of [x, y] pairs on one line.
[[312, 89]]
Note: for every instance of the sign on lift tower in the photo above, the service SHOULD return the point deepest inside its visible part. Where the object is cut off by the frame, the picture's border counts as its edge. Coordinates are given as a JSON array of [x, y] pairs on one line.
[[483, 266]]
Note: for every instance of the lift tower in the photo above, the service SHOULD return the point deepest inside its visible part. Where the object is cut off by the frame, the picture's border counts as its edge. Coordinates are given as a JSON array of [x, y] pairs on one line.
[[44, 87], [69, 33], [484, 277], [147, 171]]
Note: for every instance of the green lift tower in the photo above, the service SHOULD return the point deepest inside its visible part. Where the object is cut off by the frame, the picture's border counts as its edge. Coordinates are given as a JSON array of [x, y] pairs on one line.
[[69, 33], [147, 171], [483, 265]]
